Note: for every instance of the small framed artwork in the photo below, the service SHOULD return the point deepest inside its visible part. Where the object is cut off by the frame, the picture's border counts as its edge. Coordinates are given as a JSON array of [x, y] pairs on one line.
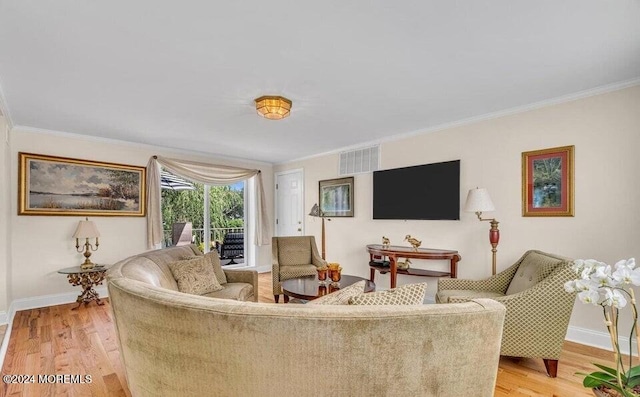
[[547, 182], [336, 197], [50, 185]]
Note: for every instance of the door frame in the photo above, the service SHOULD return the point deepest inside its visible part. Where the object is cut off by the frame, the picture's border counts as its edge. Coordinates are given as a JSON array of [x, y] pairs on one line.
[[275, 189]]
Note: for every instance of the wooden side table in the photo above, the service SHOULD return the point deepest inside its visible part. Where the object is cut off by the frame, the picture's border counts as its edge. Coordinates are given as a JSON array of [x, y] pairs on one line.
[[395, 252], [88, 279]]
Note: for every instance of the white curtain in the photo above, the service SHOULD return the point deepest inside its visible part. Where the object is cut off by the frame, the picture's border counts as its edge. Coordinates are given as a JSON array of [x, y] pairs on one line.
[[209, 174]]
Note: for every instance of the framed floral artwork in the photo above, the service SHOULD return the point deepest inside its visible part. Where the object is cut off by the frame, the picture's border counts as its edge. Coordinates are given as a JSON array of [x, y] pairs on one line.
[[50, 185], [548, 182]]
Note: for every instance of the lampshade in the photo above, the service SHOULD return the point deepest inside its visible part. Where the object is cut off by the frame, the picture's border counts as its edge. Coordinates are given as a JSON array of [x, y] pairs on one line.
[[478, 200], [315, 211], [273, 107], [86, 229]]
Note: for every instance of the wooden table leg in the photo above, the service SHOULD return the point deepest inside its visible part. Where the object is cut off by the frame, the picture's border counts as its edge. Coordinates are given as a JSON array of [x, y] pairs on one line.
[[393, 267], [87, 281], [372, 274], [454, 266]]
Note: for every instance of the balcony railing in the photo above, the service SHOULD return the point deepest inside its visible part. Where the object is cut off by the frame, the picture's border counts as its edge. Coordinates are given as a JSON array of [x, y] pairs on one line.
[[217, 234]]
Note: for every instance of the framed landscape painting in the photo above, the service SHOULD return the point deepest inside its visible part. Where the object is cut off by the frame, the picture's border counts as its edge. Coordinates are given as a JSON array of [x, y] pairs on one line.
[[50, 185], [547, 182], [336, 197]]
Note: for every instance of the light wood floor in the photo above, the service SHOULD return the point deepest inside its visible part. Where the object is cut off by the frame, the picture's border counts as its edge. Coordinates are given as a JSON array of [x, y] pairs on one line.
[[56, 340]]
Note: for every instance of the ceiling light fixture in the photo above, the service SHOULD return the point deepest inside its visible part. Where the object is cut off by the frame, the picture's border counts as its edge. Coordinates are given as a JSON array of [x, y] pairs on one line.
[[273, 107]]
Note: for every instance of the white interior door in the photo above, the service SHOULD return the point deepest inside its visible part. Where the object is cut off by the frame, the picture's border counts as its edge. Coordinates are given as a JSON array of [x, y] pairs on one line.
[[289, 203]]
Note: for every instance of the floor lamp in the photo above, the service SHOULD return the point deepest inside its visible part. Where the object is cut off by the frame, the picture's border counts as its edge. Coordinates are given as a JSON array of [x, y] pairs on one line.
[[478, 201], [317, 212]]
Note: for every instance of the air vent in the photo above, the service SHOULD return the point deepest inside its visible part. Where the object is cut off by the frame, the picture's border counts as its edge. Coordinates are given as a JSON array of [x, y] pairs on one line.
[[359, 161]]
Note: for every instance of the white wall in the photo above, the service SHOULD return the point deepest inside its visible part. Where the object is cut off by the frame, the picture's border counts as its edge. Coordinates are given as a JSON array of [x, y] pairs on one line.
[[43, 244], [605, 130], [5, 209]]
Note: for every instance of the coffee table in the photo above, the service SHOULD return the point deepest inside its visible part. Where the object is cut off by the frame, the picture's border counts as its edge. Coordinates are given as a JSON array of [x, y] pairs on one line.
[[309, 288]]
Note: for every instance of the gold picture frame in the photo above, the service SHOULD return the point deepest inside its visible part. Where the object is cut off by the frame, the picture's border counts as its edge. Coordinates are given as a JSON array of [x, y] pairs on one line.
[[548, 182], [51, 185]]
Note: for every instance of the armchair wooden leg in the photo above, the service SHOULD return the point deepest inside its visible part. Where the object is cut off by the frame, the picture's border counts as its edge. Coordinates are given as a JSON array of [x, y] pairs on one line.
[[551, 366], [276, 298]]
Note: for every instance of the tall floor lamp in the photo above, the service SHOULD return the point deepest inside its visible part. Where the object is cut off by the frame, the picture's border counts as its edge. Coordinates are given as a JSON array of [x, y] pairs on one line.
[[478, 201], [317, 212]]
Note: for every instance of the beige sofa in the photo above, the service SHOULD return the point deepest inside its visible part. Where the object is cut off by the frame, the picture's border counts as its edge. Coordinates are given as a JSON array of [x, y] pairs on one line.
[[175, 344], [152, 267]]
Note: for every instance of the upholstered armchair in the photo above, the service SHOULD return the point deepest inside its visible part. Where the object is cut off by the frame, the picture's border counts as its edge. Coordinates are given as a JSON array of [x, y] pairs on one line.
[[293, 257], [538, 307]]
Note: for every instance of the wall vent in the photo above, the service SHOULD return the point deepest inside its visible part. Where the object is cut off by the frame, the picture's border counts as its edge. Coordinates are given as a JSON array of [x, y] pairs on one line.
[[359, 161]]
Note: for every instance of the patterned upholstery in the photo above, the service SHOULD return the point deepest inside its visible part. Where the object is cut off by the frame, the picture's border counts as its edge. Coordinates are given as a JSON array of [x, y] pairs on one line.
[[537, 318], [293, 257], [410, 294], [463, 295]]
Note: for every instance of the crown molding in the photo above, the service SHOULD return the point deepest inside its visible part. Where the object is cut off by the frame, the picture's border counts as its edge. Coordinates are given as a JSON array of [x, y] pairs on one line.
[[489, 116], [91, 138]]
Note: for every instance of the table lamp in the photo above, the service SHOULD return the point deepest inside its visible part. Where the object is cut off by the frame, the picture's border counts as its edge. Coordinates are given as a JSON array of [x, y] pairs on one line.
[[86, 230], [479, 201]]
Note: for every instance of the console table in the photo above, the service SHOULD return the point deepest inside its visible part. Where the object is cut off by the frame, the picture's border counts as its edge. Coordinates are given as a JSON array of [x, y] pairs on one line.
[[394, 252]]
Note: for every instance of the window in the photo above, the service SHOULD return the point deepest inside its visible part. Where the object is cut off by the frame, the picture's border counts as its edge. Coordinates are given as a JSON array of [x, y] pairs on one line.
[[211, 212]]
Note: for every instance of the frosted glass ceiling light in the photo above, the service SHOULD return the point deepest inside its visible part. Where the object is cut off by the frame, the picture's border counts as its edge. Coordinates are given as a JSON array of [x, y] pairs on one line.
[[273, 107]]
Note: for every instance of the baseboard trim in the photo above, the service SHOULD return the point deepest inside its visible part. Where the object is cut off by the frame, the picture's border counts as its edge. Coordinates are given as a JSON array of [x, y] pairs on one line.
[[601, 340], [34, 303]]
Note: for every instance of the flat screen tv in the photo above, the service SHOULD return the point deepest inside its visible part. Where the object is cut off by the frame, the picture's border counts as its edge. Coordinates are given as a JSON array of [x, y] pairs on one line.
[[427, 192]]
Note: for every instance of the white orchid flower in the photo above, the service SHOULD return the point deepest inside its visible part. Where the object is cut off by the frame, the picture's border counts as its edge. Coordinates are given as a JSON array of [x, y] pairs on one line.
[[613, 297], [626, 275], [589, 296], [570, 286], [628, 263], [602, 276]]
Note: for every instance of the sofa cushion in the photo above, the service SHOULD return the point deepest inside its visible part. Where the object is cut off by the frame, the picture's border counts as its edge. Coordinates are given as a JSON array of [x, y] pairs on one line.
[[297, 251], [410, 294], [145, 270], [341, 296], [460, 295], [195, 276], [534, 267], [214, 259], [235, 291], [289, 272]]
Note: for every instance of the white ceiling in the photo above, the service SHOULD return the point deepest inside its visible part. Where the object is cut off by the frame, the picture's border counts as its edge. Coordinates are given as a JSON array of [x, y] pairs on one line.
[[184, 74]]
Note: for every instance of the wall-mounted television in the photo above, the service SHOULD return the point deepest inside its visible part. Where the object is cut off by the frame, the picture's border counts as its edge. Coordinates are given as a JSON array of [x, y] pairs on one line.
[[426, 192]]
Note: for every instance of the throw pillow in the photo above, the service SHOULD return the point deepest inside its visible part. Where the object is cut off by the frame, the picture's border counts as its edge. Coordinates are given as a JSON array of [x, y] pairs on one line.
[[214, 259], [410, 294], [341, 296], [195, 276]]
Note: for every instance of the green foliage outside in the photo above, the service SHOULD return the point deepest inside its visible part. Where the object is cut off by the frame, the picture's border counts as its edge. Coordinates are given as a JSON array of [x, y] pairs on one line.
[[226, 207]]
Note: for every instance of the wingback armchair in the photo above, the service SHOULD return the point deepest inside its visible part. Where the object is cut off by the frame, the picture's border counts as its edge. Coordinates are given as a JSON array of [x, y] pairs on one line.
[[538, 307], [293, 257]]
